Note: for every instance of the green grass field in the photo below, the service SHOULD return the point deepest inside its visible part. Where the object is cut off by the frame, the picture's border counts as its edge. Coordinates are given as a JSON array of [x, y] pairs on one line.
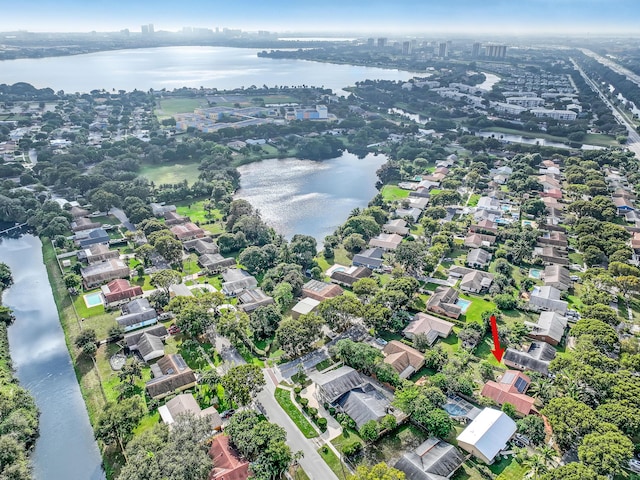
[[170, 106], [170, 174], [334, 462], [283, 397], [391, 193]]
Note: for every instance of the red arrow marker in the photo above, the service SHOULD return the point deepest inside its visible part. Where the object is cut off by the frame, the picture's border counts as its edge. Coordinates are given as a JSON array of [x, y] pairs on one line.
[[497, 351]]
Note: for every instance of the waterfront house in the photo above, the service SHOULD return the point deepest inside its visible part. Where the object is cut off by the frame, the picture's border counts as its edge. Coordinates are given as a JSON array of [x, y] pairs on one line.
[[137, 314], [186, 404], [119, 291], [98, 273], [171, 373]]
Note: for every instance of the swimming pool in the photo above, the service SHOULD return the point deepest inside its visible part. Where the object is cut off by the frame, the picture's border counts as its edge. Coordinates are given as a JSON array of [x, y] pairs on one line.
[[534, 273], [455, 410], [93, 299], [463, 304]]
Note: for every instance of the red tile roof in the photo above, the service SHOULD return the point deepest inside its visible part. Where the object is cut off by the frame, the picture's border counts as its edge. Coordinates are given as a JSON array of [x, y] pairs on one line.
[[227, 465], [120, 289], [502, 393]]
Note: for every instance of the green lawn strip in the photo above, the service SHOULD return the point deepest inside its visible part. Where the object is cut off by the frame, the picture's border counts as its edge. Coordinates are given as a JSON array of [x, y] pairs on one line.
[[196, 212], [347, 438], [334, 462], [391, 193], [473, 200], [283, 397], [508, 469]]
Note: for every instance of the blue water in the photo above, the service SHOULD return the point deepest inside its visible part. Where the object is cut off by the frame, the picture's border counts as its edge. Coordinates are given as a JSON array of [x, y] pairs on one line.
[[533, 273], [93, 299], [463, 304]]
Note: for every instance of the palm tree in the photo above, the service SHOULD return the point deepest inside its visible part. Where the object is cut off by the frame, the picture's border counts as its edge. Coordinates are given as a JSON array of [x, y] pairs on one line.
[[543, 389], [536, 466], [209, 378], [548, 454]]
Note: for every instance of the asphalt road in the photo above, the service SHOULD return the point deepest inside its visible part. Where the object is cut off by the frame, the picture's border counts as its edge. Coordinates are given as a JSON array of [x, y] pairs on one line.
[[312, 463]]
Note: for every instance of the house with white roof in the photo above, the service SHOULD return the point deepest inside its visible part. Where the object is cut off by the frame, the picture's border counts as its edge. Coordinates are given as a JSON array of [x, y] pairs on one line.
[[487, 434]]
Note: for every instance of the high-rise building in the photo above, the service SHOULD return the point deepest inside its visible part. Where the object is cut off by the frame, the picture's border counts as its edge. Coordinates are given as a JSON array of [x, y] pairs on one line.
[[475, 51], [371, 42], [144, 29], [496, 51], [442, 50], [382, 42], [151, 28], [407, 48]]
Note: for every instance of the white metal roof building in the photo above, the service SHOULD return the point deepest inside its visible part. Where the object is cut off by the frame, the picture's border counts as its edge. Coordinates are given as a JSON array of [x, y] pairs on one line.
[[487, 434]]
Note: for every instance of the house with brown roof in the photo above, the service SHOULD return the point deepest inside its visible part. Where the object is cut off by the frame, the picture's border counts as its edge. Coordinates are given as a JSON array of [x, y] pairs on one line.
[[551, 255], [174, 218], [118, 292], [484, 226], [548, 182], [386, 241], [555, 239], [635, 241], [228, 465], [347, 276], [170, 373], [404, 359], [428, 325], [558, 277], [623, 205], [550, 328], [185, 404], [77, 212], [83, 223], [148, 342], [250, 300], [510, 388], [187, 231], [552, 193], [443, 301], [320, 290], [477, 240], [201, 246], [476, 281]]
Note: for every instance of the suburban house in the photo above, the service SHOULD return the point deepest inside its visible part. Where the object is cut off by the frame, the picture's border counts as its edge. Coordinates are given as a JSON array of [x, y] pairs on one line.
[[228, 465], [346, 390], [432, 327], [552, 193], [201, 245], [491, 205], [487, 434], [214, 262], [623, 205], [556, 239], [320, 290], [476, 281], [147, 342], [137, 314], [86, 238], [83, 223], [547, 298], [187, 231], [370, 258], [548, 182], [170, 373], [511, 389], [443, 301], [174, 218], [551, 255], [434, 459], [536, 357], [119, 291], [180, 290], [404, 359], [304, 307], [159, 209], [77, 212], [185, 403], [478, 258], [236, 280], [558, 277], [550, 328], [386, 241], [98, 273], [98, 253], [484, 226], [412, 212], [347, 276], [398, 226], [635, 241], [477, 240], [249, 300], [417, 202]]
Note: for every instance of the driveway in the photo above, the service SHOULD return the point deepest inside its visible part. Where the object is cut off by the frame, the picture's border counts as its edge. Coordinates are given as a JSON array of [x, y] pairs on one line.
[[230, 356], [120, 215], [312, 463]]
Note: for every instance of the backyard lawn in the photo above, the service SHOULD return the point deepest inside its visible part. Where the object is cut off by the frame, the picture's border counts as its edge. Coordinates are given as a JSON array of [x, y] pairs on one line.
[[283, 397], [391, 193], [508, 469]]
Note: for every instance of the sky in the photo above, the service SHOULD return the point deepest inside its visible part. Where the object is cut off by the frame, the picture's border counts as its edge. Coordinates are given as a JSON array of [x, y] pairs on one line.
[[499, 17]]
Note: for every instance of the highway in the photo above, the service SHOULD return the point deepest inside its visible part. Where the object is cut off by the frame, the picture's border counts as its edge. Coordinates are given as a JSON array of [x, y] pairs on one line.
[[634, 137], [616, 67]]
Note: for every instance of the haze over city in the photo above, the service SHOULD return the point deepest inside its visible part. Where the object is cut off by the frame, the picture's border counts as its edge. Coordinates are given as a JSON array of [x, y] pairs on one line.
[[525, 17]]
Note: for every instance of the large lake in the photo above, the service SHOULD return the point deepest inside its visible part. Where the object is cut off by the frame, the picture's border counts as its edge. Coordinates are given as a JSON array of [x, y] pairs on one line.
[[175, 67], [66, 448], [309, 197]]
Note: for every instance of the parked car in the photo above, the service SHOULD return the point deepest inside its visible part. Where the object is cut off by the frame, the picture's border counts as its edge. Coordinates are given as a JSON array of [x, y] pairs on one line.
[[634, 465], [173, 330], [227, 413]]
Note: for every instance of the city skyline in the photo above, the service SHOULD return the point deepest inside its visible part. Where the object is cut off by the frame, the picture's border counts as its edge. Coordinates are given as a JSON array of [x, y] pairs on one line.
[[504, 17]]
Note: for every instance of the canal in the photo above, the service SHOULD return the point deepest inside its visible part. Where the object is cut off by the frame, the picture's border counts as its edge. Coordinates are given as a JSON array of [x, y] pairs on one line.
[[66, 448]]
